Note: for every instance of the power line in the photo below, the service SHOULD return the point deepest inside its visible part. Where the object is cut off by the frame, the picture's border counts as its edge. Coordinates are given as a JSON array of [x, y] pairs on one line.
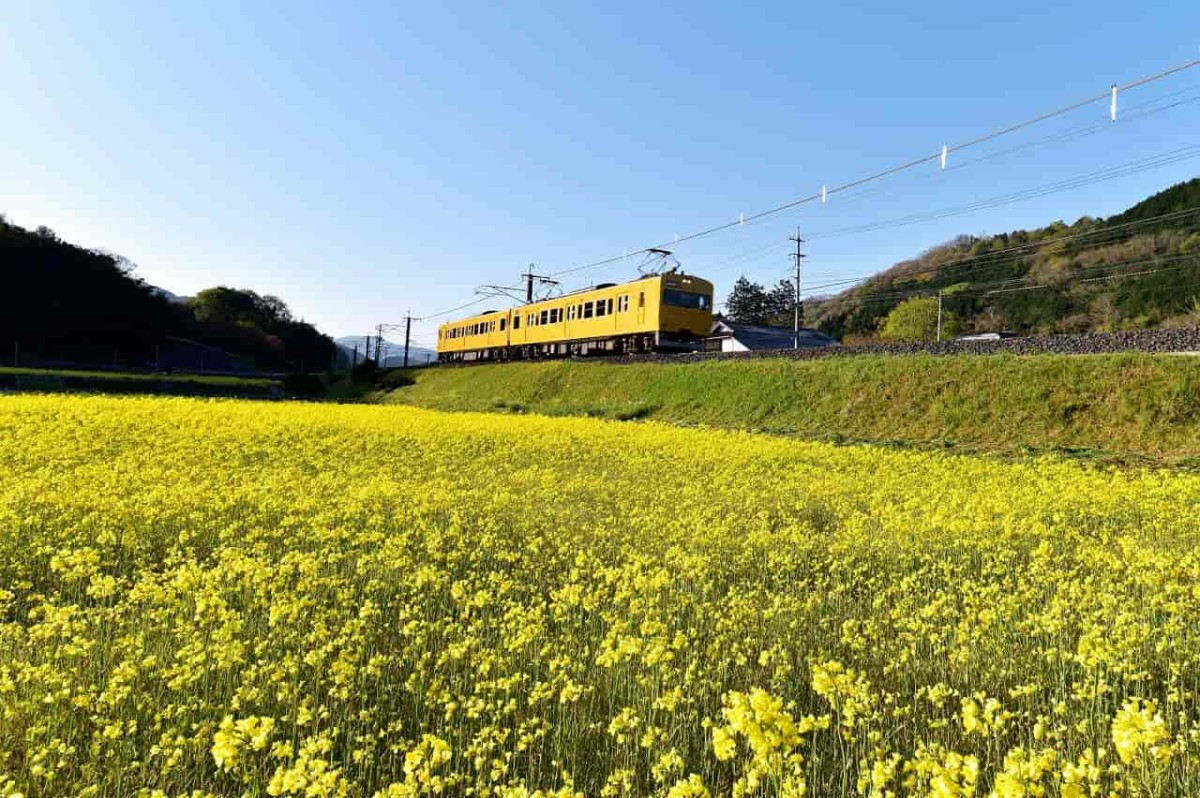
[[1122, 170], [941, 154], [1078, 132], [1110, 271], [1108, 233]]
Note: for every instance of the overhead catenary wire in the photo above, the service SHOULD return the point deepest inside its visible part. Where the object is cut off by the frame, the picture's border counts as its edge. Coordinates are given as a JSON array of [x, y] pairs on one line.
[[825, 191], [946, 149], [1099, 176], [1110, 271], [1105, 234], [778, 246]]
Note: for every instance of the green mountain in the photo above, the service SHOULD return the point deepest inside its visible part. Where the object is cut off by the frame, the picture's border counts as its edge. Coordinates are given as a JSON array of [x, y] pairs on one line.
[[64, 305], [1138, 269]]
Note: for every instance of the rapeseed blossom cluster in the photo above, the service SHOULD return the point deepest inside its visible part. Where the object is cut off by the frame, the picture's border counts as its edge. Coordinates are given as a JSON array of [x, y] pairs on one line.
[[221, 598]]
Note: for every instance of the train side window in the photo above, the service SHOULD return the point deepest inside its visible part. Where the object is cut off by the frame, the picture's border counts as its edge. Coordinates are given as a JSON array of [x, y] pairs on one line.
[[600, 307], [570, 312], [517, 321], [502, 323], [543, 317], [610, 307], [641, 299], [587, 310]]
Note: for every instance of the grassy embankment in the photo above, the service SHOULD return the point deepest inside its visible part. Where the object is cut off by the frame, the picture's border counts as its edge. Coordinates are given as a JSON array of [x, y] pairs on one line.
[[61, 380], [1132, 408]]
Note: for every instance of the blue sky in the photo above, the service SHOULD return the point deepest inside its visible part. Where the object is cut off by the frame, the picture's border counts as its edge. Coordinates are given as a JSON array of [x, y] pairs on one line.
[[361, 160]]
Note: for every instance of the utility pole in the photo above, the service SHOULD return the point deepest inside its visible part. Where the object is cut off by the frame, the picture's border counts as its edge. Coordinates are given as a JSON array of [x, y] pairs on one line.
[[407, 334], [939, 329], [799, 256], [354, 358], [379, 345], [530, 277]]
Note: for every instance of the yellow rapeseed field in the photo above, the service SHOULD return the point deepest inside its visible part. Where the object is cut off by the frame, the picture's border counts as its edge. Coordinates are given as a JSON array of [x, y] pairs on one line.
[[232, 598]]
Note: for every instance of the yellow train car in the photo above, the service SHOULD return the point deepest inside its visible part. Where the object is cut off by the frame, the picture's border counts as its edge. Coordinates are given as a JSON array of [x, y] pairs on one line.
[[659, 312], [475, 336]]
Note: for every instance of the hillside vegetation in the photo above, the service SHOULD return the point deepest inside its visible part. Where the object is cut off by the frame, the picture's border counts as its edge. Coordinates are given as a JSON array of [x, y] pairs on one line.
[[63, 304], [1127, 405], [1138, 269]]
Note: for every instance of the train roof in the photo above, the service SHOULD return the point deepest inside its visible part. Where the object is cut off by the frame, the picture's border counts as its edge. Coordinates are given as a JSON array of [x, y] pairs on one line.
[[589, 289]]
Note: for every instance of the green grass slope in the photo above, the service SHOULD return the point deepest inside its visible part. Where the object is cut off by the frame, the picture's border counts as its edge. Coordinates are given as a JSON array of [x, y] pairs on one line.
[[56, 380], [1130, 407]]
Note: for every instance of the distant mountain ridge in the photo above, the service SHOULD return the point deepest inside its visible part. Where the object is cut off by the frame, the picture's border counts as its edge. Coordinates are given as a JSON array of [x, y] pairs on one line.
[[1138, 269], [393, 353]]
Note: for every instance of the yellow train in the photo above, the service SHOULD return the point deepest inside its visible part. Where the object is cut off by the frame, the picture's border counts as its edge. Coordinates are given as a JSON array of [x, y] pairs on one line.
[[658, 312]]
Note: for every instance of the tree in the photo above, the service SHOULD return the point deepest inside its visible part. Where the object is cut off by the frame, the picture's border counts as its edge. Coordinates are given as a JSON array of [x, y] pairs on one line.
[[916, 320], [750, 303], [747, 302], [781, 304]]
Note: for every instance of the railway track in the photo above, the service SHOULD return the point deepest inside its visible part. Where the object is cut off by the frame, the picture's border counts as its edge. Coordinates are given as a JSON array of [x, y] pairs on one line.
[[1174, 341]]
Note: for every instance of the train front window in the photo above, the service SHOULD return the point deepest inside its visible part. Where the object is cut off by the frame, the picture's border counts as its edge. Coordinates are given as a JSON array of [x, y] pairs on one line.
[[686, 299]]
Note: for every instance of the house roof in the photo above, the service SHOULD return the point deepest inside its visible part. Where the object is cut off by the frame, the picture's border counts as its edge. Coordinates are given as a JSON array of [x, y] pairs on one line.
[[757, 336]]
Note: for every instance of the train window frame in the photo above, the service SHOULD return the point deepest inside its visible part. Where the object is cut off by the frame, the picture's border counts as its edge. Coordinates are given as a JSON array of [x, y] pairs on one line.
[[517, 321], [693, 299], [503, 322], [570, 312], [600, 311], [610, 306], [543, 317], [588, 309]]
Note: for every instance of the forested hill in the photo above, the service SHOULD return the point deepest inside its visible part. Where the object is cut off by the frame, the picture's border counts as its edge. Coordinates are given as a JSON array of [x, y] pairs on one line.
[[1137, 269], [63, 304]]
